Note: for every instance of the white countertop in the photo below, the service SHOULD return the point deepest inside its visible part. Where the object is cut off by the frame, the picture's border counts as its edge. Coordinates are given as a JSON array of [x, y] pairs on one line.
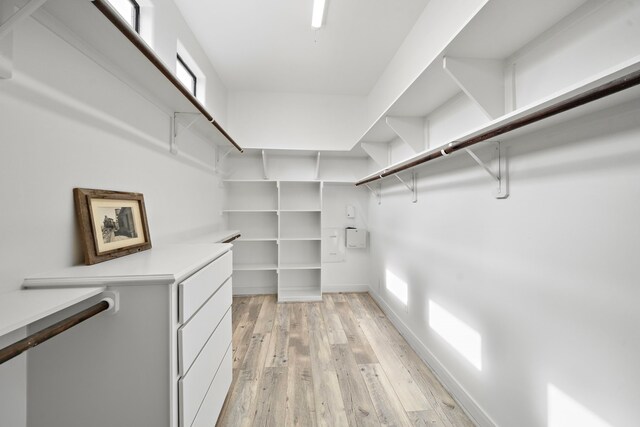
[[162, 265], [21, 307], [216, 236]]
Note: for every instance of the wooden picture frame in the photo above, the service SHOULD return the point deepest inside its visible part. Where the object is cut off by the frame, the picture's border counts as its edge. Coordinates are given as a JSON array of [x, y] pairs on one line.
[[112, 223]]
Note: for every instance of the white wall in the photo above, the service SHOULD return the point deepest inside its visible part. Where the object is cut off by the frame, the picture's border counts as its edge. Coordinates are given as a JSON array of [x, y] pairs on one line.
[[64, 123], [548, 277], [296, 121], [352, 274]]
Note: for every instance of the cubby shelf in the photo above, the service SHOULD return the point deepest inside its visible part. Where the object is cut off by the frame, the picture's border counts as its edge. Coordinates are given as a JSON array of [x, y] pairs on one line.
[[247, 267], [310, 266], [284, 240], [250, 210], [293, 294]]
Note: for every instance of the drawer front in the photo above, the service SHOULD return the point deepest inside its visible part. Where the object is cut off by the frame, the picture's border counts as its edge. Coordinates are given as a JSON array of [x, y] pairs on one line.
[[213, 401], [194, 334], [193, 387], [197, 289]]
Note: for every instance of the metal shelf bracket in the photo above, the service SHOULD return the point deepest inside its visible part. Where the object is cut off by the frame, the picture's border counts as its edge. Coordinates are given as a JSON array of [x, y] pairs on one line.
[[178, 118], [413, 187], [377, 193], [502, 176]]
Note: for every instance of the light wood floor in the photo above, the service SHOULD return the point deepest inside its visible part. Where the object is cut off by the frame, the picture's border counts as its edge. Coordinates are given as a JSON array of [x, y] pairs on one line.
[[336, 363]]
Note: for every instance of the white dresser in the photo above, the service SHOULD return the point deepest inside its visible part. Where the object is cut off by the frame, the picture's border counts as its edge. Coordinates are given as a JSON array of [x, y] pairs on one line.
[[164, 359]]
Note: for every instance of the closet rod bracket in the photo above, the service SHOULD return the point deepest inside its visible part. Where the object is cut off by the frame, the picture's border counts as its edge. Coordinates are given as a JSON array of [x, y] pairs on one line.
[[413, 188], [501, 177], [189, 118], [377, 194]]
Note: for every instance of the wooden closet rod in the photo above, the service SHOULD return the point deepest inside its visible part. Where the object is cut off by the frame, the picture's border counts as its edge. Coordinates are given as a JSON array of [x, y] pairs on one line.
[[135, 39], [606, 89], [33, 340]]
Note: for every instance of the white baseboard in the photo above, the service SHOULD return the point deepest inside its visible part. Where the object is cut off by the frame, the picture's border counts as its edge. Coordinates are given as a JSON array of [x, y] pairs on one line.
[[345, 288], [254, 290], [457, 391]]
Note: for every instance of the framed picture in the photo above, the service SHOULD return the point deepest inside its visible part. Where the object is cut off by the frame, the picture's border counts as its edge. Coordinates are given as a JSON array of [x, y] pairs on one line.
[[112, 223]]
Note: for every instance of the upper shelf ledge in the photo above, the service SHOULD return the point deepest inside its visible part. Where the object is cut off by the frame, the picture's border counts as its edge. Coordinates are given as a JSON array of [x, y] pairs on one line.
[[615, 81], [100, 27]]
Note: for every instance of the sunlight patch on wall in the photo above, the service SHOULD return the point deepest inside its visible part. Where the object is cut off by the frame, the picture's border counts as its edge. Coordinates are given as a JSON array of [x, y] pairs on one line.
[[397, 287], [563, 411], [458, 334]]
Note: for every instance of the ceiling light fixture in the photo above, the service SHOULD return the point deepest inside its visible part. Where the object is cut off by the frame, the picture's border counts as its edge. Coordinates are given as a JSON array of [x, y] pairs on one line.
[[318, 13]]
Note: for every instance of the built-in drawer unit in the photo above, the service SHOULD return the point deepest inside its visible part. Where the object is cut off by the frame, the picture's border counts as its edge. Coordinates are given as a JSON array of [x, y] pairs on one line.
[[194, 385], [193, 335], [216, 394], [197, 289], [174, 320]]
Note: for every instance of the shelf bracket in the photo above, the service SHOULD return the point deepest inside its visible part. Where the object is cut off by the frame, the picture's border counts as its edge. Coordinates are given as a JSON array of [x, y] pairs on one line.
[[264, 165], [482, 80], [378, 151], [220, 158], [318, 166], [23, 13], [501, 177], [175, 122], [410, 130], [9, 20], [377, 193], [411, 187]]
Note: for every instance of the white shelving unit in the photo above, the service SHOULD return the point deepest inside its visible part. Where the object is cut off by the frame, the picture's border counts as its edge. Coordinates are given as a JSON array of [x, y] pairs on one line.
[[280, 247], [491, 65], [126, 55], [299, 248]]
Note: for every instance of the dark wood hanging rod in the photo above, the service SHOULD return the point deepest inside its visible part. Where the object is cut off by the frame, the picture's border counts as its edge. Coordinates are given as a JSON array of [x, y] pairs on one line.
[[137, 41], [614, 86], [37, 338]]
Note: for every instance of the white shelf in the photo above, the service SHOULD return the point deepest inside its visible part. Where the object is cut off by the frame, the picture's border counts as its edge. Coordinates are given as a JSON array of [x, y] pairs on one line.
[[283, 244], [160, 265], [216, 236], [309, 266], [249, 210], [293, 294], [581, 87], [83, 25], [248, 180], [248, 267], [23, 307], [497, 31]]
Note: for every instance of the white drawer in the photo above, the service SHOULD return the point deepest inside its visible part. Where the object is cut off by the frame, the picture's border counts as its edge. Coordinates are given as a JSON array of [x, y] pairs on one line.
[[194, 334], [197, 289], [193, 387], [213, 401]]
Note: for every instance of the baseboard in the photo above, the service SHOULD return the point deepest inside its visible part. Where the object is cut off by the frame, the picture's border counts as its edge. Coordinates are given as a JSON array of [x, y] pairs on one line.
[[345, 288], [254, 290], [457, 391]]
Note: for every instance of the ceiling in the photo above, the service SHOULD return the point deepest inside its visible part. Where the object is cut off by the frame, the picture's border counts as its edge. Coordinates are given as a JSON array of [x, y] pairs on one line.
[[269, 45]]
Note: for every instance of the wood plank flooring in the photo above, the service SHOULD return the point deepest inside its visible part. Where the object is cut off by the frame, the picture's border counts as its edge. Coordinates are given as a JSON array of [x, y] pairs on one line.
[[336, 363]]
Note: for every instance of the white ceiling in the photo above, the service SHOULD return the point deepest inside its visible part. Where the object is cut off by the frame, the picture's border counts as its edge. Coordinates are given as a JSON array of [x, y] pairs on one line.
[[269, 45]]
